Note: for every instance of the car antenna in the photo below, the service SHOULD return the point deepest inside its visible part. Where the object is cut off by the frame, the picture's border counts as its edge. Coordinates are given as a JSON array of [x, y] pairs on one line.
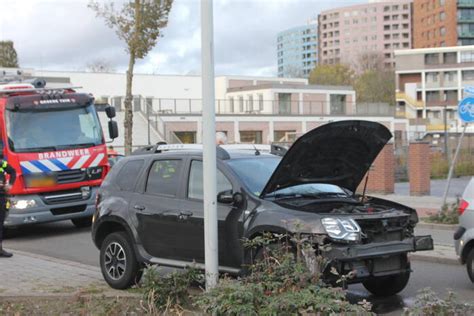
[[257, 152], [365, 187]]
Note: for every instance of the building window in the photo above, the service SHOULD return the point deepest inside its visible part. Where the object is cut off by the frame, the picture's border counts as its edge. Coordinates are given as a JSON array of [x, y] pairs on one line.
[[467, 57], [450, 76], [186, 137], [284, 136], [432, 77], [442, 31], [260, 102], [250, 105], [451, 95], [442, 16], [431, 59], [252, 137], [432, 96], [241, 104], [450, 58], [337, 104], [231, 104], [468, 75]]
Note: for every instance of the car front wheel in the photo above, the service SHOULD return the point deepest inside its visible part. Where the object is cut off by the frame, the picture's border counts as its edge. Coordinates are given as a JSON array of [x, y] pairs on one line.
[[388, 285], [118, 263], [470, 264]]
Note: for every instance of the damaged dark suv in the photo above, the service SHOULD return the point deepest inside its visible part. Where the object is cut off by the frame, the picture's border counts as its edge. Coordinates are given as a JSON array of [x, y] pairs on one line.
[[150, 208]]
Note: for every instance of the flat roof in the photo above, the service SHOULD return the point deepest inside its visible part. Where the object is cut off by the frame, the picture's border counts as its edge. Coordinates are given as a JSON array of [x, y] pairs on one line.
[[416, 51], [290, 86]]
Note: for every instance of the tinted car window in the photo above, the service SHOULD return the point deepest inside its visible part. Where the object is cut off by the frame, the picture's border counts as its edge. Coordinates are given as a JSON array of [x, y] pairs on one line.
[[127, 176], [164, 177], [195, 185]]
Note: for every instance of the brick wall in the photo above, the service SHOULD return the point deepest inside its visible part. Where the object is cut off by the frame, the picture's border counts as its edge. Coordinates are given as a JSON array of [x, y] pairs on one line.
[[419, 168], [382, 173]]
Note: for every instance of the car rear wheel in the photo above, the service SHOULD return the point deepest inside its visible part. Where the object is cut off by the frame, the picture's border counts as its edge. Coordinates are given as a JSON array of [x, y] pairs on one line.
[[470, 264], [387, 285], [82, 222], [118, 262]]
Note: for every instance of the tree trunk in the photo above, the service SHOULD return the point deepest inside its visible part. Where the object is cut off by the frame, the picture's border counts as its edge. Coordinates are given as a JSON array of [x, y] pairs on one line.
[[128, 122]]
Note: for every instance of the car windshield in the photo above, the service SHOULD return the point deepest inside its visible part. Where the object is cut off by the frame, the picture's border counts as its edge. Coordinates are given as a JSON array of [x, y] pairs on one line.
[[32, 131]]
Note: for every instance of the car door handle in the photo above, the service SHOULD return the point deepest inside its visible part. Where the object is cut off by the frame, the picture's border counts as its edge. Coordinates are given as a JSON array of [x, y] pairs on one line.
[[139, 207]]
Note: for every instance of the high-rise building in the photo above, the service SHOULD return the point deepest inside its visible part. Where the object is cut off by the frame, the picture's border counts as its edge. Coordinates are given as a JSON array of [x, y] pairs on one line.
[[375, 29], [439, 23], [297, 50]]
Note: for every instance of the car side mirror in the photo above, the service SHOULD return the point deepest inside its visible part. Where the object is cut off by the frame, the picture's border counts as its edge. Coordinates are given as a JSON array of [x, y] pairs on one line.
[[113, 129], [225, 197], [110, 111]]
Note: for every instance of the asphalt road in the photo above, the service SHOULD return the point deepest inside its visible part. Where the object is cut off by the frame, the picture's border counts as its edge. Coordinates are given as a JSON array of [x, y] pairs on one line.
[[62, 240], [456, 187]]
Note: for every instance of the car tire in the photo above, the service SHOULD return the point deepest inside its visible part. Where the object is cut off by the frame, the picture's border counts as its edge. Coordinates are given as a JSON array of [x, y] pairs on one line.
[[118, 262], [82, 222], [387, 285], [470, 264]]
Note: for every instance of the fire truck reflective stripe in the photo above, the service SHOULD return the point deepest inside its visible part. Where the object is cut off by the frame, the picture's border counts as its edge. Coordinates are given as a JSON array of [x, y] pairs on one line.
[[50, 165], [97, 160], [59, 164], [80, 163], [73, 161], [40, 166], [28, 167]]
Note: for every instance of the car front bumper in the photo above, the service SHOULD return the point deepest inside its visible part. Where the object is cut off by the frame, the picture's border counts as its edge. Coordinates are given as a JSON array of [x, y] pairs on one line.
[[363, 261], [44, 211]]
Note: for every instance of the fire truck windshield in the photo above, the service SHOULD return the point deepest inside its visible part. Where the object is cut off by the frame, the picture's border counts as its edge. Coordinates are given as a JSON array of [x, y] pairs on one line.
[[35, 131]]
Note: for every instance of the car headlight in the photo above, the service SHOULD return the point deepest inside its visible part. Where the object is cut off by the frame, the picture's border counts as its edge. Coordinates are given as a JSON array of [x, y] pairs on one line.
[[23, 204], [342, 229]]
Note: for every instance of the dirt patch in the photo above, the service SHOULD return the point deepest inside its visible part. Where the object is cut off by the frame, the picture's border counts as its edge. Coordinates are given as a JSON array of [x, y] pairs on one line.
[[76, 305]]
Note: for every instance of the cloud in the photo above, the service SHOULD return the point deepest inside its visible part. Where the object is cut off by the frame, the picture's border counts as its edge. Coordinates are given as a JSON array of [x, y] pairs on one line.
[[66, 35]]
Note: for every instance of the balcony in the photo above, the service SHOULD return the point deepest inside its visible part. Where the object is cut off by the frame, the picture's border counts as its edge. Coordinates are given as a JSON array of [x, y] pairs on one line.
[[465, 4]]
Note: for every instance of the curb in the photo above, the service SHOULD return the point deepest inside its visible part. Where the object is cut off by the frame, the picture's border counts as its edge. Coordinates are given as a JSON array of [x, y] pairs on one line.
[[435, 226]]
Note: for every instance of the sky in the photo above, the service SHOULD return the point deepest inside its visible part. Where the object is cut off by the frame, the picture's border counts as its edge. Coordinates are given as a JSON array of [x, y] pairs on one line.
[[66, 35]]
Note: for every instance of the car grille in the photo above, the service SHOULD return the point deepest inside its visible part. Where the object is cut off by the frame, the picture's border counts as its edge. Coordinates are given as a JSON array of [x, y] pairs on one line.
[[69, 209], [382, 230], [63, 197], [70, 176]]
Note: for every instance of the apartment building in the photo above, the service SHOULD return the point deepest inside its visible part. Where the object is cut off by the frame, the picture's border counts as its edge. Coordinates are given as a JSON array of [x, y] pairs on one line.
[[443, 23], [346, 34], [297, 50], [430, 83]]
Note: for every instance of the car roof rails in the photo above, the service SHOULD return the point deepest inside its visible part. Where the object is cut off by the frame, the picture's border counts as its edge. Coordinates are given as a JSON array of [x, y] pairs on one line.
[[160, 147]]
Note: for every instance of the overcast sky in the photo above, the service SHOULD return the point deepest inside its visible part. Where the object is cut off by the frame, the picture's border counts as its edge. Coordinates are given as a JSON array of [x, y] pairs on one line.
[[66, 35]]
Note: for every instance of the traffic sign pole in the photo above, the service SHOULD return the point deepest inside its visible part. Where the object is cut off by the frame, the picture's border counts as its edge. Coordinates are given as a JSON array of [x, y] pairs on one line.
[[466, 114], [453, 163]]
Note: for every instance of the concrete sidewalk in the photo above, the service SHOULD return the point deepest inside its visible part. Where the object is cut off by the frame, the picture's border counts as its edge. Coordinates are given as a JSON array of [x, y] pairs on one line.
[[27, 274]]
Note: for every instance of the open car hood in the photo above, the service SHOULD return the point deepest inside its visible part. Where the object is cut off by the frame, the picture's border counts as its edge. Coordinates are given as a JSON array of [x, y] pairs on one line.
[[337, 153]]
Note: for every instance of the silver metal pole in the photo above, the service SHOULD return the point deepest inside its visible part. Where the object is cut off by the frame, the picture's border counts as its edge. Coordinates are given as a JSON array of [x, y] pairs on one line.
[[453, 163], [209, 145]]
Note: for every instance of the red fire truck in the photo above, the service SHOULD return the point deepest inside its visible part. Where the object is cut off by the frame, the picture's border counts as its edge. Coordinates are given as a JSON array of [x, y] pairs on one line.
[[54, 140]]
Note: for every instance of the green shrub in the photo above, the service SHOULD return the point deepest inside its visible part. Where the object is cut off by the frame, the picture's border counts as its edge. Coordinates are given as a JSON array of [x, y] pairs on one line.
[[429, 304], [170, 292], [279, 284], [448, 215]]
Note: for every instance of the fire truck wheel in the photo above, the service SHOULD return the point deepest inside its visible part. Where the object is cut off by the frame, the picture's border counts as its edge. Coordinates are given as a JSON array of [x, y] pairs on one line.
[[82, 222]]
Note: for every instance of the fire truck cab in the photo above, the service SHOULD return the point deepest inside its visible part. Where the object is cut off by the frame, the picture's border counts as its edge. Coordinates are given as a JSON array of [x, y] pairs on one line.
[[54, 140]]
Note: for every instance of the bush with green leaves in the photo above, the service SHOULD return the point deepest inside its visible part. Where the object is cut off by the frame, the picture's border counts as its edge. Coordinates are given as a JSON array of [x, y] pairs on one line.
[[448, 215], [278, 283], [165, 293], [429, 304]]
